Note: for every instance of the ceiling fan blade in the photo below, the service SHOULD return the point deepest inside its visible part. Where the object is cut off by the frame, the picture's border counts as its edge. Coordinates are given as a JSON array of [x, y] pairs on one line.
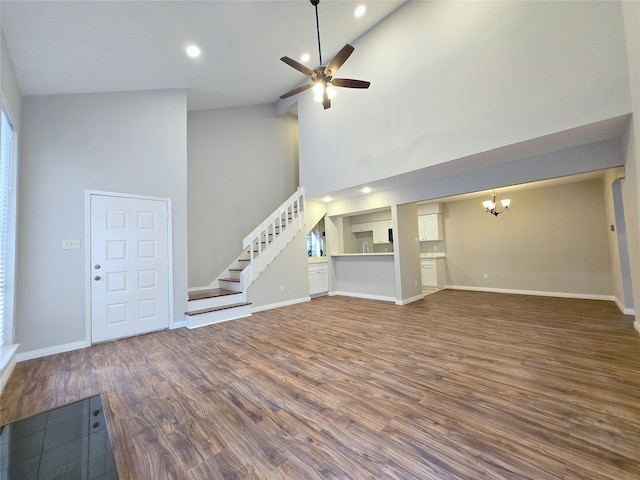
[[295, 91], [337, 61], [298, 66], [349, 83]]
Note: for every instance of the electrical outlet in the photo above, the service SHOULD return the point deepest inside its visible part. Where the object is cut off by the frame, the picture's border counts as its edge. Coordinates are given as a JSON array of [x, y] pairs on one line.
[[282, 288], [415, 283], [71, 244], [486, 276]]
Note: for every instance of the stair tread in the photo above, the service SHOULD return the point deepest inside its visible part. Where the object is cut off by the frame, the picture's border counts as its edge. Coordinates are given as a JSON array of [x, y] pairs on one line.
[[234, 280], [210, 293], [216, 309]]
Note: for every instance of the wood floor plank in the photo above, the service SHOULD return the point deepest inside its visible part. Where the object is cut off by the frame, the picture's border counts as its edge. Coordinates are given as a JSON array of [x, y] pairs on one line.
[[460, 385]]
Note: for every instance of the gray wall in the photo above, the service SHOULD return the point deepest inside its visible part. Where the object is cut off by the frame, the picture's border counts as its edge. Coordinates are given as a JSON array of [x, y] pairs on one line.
[[243, 163], [554, 239], [482, 76], [368, 276], [120, 142], [407, 253], [289, 270], [631, 184]]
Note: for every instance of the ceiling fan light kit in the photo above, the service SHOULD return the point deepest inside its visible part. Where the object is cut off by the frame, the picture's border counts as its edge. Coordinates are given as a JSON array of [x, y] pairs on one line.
[[322, 80]]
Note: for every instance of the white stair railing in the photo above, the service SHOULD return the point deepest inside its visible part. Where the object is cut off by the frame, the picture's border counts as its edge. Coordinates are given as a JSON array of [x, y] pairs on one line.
[[266, 241]]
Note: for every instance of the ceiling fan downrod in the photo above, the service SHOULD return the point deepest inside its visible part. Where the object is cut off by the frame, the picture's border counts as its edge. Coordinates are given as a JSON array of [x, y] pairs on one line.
[[315, 4]]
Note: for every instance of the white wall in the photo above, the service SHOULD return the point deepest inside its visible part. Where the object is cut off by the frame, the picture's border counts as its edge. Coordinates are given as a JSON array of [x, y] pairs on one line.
[[132, 143], [243, 163], [480, 76], [554, 239]]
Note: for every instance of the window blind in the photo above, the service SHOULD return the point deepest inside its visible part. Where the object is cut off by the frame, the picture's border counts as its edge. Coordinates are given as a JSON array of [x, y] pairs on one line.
[[6, 217]]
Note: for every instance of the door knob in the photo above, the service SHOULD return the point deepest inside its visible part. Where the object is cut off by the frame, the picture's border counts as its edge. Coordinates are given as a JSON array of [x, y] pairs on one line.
[[97, 266], [97, 277]]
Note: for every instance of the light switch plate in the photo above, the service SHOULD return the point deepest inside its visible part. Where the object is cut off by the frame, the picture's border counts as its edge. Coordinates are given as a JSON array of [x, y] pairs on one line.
[[73, 244]]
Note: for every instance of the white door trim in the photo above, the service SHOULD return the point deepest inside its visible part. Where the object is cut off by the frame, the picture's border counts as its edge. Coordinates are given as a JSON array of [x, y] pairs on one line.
[[87, 250]]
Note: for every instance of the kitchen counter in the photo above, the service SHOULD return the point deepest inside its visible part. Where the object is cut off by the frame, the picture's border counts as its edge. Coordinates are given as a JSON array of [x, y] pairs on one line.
[[432, 255], [317, 259], [380, 254]]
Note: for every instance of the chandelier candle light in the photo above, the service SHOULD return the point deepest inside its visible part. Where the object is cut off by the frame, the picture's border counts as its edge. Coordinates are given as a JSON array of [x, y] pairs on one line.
[[490, 205]]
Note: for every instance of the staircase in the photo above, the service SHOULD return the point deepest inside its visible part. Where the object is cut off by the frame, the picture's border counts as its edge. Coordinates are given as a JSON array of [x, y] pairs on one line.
[[226, 297]]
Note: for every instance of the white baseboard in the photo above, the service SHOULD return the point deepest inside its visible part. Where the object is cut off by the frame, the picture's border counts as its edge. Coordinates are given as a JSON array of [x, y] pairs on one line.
[[7, 363], [636, 325], [280, 304], [365, 296], [43, 352], [175, 325], [539, 293], [407, 301], [623, 309]]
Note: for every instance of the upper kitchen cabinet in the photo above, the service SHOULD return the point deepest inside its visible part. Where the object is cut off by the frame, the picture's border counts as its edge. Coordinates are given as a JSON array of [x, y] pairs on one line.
[[430, 227], [381, 232], [368, 232], [361, 227]]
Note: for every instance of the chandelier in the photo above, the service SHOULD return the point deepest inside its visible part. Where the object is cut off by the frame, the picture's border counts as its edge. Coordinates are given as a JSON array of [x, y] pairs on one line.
[[490, 205]]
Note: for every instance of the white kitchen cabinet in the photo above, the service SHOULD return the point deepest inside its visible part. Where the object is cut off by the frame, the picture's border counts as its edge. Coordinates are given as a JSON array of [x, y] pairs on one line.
[[361, 227], [381, 231], [432, 272], [430, 227], [318, 278]]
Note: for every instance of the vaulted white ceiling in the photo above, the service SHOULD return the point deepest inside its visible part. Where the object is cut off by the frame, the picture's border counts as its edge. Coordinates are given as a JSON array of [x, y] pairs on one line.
[[106, 46]]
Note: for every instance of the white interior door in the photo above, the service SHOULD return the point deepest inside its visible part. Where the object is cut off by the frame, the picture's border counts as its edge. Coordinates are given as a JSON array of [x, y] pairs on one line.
[[129, 266]]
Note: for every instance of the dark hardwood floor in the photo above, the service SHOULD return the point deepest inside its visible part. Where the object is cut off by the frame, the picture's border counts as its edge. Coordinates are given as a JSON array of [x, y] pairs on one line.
[[460, 385]]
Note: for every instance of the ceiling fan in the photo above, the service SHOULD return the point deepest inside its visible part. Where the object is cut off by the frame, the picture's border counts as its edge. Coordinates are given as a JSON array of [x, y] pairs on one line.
[[322, 80]]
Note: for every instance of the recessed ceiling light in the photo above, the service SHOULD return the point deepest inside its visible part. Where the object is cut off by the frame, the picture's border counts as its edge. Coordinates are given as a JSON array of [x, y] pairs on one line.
[[327, 199], [366, 190], [305, 57], [360, 11], [193, 51]]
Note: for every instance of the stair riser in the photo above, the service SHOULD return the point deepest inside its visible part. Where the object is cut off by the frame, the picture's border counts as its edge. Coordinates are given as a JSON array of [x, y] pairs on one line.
[[195, 321], [233, 286], [212, 302]]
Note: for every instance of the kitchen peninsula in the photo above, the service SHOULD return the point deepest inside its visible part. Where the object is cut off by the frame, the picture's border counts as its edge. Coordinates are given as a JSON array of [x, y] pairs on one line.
[[366, 275]]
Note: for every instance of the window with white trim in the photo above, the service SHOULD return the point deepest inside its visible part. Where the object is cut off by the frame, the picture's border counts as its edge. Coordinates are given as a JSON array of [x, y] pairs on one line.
[[7, 225]]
